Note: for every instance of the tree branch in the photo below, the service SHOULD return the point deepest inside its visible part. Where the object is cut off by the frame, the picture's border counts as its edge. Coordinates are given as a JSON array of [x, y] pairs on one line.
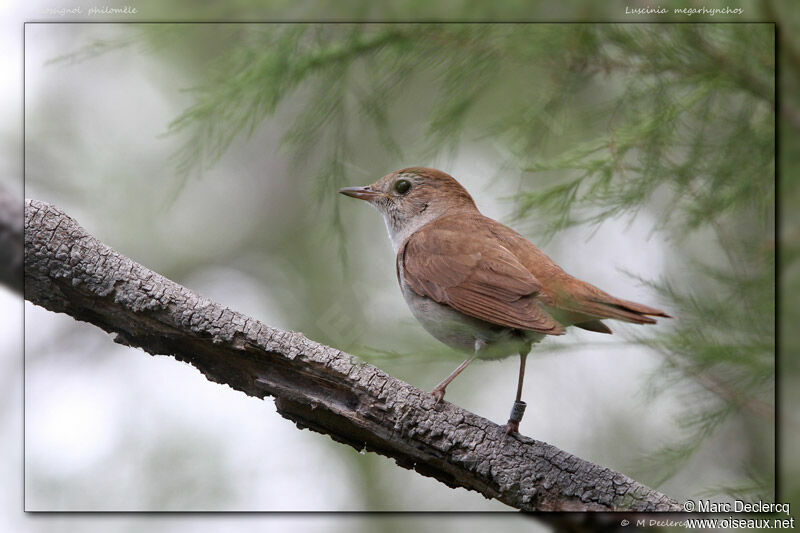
[[318, 387]]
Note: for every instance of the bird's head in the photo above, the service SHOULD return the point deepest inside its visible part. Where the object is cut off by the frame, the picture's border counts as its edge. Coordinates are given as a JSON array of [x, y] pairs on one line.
[[412, 197]]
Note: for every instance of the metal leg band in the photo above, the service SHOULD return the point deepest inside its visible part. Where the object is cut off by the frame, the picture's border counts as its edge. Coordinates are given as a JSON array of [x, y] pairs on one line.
[[517, 411]]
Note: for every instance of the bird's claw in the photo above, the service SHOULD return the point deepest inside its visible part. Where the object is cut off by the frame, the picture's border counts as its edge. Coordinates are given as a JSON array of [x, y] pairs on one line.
[[438, 395], [512, 426]]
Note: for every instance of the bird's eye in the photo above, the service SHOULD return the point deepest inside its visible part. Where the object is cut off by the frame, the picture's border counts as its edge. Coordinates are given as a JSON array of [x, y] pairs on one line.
[[402, 186]]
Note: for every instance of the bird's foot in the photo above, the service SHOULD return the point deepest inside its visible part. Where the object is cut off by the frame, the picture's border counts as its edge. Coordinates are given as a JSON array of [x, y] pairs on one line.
[[512, 426], [438, 394]]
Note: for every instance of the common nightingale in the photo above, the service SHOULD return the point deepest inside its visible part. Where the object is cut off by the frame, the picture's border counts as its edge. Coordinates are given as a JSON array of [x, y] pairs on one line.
[[476, 284]]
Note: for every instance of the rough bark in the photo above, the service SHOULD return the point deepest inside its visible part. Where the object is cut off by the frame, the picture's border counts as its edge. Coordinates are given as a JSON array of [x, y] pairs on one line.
[[316, 386]]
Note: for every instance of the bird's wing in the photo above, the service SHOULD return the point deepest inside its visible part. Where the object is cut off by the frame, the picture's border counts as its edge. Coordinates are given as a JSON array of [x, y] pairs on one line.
[[580, 302], [478, 277]]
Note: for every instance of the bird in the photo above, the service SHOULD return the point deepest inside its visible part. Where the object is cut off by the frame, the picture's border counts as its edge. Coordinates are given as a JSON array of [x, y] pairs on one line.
[[477, 285]]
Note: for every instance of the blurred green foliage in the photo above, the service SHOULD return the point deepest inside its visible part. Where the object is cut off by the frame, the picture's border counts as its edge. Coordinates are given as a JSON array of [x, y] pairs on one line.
[[596, 122], [675, 119]]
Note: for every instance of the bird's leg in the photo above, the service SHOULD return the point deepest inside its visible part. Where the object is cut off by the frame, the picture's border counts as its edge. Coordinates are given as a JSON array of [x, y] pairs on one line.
[[438, 390], [518, 409]]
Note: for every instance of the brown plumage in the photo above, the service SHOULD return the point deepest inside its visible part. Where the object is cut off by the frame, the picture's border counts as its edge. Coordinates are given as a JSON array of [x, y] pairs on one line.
[[499, 276], [474, 276], [475, 283]]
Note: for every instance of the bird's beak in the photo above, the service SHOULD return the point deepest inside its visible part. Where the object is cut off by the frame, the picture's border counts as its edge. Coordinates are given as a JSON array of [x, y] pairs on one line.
[[362, 193]]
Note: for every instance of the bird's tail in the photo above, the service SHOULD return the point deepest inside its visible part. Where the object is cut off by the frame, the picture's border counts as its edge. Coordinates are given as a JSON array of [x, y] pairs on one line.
[[626, 310], [596, 304]]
